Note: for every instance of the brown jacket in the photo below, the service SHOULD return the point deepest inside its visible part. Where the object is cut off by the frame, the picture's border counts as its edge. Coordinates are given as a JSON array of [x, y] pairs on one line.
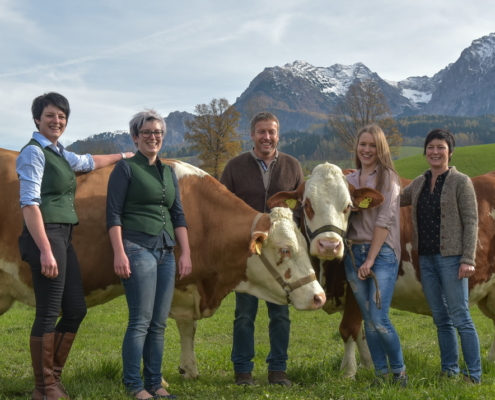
[[459, 215], [242, 176]]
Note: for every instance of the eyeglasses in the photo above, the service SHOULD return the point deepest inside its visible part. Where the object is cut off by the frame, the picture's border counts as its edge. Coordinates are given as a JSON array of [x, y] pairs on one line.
[[147, 134]]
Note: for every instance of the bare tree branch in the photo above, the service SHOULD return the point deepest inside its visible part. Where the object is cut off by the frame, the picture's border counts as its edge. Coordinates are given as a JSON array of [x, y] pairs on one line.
[[364, 104]]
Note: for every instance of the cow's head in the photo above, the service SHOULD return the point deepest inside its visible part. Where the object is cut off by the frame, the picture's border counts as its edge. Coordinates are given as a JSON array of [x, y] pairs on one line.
[[327, 201], [277, 240]]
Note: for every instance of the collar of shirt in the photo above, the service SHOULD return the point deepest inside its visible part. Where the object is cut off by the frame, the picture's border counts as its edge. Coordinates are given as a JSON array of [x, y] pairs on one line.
[[44, 142], [428, 173], [354, 179], [261, 162]]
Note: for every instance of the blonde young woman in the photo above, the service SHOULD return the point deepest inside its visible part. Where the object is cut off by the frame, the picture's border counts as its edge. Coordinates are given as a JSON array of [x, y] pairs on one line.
[[375, 234]]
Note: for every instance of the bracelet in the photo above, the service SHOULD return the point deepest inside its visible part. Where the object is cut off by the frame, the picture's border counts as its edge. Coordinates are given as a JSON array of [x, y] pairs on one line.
[[123, 156]]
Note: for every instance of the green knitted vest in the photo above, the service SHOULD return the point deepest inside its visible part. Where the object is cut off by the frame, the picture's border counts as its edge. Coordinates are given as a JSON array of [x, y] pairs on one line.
[[58, 188], [148, 198]]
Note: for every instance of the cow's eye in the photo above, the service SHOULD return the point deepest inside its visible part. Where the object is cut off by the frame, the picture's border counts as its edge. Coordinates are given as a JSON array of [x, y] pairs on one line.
[[347, 209], [285, 252]]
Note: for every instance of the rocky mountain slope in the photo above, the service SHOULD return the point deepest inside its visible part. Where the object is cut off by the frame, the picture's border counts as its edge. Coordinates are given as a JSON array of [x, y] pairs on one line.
[[301, 93]]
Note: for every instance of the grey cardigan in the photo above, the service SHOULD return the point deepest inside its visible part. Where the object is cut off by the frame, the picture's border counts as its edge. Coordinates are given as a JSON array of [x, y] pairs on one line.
[[459, 215]]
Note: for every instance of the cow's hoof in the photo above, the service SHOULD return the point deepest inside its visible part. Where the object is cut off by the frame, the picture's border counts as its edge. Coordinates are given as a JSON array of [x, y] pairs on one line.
[[188, 374]]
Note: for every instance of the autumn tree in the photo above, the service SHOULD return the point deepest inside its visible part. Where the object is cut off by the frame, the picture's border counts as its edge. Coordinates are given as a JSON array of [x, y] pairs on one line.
[[364, 104], [213, 134]]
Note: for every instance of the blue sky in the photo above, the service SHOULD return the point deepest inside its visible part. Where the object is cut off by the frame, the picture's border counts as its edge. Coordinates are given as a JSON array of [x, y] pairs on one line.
[[112, 58]]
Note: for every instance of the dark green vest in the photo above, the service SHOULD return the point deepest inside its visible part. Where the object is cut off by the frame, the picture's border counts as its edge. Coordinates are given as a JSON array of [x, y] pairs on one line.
[[148, 198], [58, 188]]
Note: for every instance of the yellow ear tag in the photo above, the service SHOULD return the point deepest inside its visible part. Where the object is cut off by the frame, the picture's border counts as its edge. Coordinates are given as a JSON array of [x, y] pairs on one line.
[[365, 202], [258, 247], [291, 203]]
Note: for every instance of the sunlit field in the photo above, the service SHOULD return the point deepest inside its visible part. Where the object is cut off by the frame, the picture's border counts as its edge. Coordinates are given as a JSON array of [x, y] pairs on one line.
[[94, 367], [470, 160]]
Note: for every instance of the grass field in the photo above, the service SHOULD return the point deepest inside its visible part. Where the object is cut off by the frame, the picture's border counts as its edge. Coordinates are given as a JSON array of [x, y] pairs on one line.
[[470, 160], [408, 151], [94, 367]]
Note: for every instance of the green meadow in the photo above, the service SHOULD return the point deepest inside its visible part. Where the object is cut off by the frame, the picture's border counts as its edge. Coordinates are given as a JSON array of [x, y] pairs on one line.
[[470, 160], [408, 151], [94, 367]]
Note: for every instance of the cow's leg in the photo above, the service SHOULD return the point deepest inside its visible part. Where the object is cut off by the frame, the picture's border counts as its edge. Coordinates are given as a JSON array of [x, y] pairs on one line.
[[6, 302], [350, 330], [188, 366], [364, 351], [487, 307]]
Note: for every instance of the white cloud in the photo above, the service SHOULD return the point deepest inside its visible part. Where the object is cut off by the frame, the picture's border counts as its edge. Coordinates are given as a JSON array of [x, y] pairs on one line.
[[113, 58]]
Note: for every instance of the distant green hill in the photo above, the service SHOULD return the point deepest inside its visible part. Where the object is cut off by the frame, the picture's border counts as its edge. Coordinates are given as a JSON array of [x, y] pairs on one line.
[[470, 160], [408, 151]]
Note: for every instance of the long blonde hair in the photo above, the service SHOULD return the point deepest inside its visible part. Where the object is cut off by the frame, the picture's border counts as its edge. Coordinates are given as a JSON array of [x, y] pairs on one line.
[[384, 160]]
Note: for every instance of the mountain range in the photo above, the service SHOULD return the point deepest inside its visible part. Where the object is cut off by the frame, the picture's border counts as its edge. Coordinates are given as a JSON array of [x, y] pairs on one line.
[[301, 94]]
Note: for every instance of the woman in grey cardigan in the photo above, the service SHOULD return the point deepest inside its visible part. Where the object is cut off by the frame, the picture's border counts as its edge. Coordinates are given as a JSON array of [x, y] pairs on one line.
[[445, 221]]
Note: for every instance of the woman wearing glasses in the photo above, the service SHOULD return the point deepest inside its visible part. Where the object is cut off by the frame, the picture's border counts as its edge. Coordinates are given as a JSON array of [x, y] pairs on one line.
[[46, 172], [144, 218]]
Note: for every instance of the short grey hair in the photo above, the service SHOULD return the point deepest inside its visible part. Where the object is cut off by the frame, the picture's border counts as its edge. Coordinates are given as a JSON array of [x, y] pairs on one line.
[[137, 122]]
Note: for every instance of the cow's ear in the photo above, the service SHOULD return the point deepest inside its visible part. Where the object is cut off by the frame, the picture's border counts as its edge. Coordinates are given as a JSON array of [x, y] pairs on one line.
[[365, 198], [287, 199], [257, 242]]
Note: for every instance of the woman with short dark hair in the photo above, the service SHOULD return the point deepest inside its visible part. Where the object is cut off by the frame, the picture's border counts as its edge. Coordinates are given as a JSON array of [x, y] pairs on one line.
[[144, 218], [445, 221], [47, 190]]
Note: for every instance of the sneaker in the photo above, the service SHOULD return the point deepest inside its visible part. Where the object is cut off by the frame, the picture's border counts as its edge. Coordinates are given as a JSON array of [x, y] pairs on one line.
[[278, 378], [244, 378], [400, 379]]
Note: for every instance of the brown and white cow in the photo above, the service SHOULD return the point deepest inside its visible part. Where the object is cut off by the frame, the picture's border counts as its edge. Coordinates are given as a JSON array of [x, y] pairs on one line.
[[408, 293], [224, 233]]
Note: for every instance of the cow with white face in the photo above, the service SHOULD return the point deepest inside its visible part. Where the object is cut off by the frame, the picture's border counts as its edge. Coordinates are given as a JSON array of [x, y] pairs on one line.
[[286, 245], [233, 247], [328, 200], [408, 295]]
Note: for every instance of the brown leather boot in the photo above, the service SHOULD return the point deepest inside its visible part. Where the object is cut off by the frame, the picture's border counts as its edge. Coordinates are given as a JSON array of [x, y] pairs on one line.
[[42, 359], [63, 344], [36, 347]]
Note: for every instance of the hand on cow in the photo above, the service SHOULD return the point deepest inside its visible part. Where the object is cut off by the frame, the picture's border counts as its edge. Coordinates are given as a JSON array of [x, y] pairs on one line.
[[121, 266], [365, 270], [49, 266], [466, 271], [185, 265]]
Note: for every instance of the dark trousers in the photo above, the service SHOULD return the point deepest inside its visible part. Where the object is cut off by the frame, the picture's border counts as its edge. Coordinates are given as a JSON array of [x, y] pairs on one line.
[[63, 293]]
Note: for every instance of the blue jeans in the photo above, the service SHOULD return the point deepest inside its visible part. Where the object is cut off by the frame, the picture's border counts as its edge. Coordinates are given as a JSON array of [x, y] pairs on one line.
[[149, 292], [243, 346], [382, 338], [448, 297]]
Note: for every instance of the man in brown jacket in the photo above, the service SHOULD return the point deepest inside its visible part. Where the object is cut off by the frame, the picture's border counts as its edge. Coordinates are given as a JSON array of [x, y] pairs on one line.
[[254, 177]]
